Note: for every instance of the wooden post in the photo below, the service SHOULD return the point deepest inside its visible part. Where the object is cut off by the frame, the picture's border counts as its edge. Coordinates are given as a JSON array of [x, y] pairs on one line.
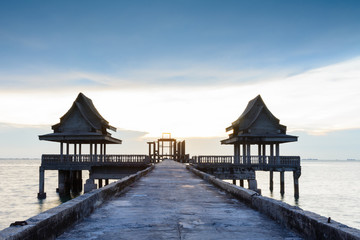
[[282, 182], [271, 181], [259, 153], [234, 181], [106, 182], [264, 153], [241, 183], [91, 152]]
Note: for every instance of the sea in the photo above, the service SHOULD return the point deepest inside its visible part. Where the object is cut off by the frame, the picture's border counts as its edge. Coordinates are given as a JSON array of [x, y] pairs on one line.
[[330, 188]]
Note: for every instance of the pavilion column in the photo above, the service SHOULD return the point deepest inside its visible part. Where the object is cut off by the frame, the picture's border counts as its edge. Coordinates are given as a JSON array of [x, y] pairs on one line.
[[259, 153], [91, 152], [75, 153], [101, 152], [96, 156], [67, 151], [277, 153], [104, 152], [244, 154], [264, 153], [248, 149], [175, 154], [236, 153], [61, 151], [271, 154], [271, 181], [80, 160]]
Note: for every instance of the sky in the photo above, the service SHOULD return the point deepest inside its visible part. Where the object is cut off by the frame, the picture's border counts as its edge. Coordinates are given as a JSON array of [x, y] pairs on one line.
[[181, 66]]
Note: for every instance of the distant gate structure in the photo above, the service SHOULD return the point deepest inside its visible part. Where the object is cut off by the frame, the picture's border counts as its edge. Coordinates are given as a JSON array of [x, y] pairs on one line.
[[167, 148], [255, 126], [83, 128]]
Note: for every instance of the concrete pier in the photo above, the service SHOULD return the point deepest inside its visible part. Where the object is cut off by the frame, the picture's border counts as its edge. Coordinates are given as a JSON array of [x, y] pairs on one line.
[[172, 203]]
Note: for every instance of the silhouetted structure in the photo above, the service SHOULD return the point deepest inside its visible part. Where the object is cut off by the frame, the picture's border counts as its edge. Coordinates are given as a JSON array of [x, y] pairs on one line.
[[83, 125], [255, 126], [167, 148]]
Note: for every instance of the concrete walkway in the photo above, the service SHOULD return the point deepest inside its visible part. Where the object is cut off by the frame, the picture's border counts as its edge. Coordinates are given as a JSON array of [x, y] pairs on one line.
[[172, 203]]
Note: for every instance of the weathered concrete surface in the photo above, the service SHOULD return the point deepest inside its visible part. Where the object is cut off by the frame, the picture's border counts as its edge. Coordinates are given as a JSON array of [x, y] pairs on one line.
[[172, 203], [51, 223], [309, 224]]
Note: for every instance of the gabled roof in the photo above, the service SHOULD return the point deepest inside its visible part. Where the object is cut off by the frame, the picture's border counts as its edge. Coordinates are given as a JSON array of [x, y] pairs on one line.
[[82, 123], [257, 125], [89, 113], [252, 111]]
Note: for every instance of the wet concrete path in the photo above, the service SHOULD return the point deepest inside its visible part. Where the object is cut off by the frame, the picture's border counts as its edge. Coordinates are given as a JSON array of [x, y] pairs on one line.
[[172, 203]]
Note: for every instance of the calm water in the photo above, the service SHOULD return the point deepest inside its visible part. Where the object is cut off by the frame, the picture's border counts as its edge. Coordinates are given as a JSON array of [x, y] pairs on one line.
[[329, 188]]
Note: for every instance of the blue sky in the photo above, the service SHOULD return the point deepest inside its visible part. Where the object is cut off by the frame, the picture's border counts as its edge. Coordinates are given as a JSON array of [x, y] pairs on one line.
[[206, 59]]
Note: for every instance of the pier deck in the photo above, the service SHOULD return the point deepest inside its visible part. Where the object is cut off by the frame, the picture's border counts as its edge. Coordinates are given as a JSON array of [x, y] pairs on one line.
[[172, 203]]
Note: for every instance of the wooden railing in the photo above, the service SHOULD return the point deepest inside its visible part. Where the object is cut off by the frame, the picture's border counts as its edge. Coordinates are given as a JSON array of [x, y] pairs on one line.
[[248, 160], [57, 158]]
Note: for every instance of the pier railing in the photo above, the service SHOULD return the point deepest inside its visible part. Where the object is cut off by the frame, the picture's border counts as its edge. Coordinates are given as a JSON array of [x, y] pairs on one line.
[[86, 159], [291, 161]]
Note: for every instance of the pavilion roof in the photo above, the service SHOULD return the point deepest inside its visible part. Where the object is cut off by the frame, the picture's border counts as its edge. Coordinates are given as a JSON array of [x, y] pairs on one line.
[[82, 123], [257, 124]]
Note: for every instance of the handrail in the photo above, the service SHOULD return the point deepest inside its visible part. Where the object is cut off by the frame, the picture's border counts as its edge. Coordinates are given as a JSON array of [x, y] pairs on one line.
[[86, 158], [248, 160]]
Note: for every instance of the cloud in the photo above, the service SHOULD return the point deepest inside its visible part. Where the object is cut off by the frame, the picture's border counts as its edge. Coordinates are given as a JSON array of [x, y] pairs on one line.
[[316, 101]]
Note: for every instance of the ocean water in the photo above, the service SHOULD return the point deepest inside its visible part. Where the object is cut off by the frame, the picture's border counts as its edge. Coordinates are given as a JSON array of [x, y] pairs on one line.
[[329, 188]]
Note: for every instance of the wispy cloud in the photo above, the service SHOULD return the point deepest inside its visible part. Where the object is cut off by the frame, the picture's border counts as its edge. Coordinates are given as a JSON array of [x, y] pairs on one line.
[[317, 101]]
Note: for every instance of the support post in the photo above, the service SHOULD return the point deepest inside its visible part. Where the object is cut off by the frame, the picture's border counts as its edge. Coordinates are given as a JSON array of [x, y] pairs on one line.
[[234, 181], [42, 193], [100, 183], [271, 181], [248, 149], [106, 182], [241, 183], [296, 175], [282, 182]]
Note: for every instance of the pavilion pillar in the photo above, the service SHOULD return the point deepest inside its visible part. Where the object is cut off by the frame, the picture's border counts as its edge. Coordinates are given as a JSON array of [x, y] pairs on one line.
[[271, 181], [101, 152], [106, 182], [259, 153], [277, 153], [264, 153], [234, 181], [104, 152], [248, 149], [80, 160], [236, 153], [96, 156], [42, 193], [241, 183], [75, 153], [271, 161], [91, 152], [282, 182], [61, 151], [244, 154], [67, 151]]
